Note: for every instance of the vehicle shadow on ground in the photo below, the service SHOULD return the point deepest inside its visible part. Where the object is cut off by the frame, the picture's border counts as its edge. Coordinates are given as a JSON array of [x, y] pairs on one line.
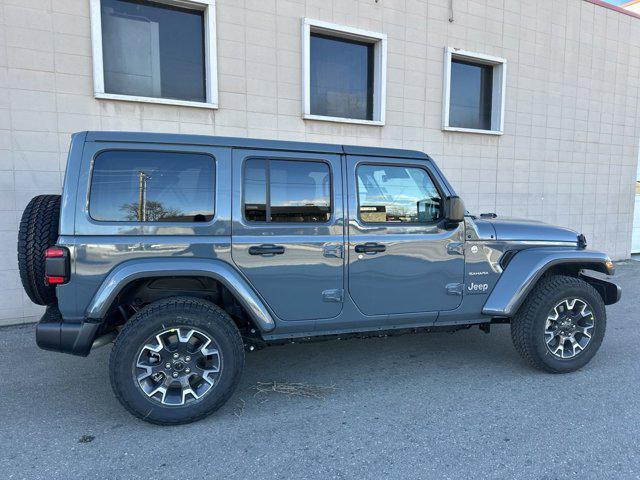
[[338, 370], [355, 370], [351, 367]]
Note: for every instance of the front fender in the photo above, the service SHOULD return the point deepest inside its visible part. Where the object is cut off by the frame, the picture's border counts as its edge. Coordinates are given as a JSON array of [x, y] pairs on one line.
[[221, 271], [527, 266]]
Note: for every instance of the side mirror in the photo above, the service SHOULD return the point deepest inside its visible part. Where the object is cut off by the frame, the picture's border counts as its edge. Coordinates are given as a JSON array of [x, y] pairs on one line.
[[454, 209]]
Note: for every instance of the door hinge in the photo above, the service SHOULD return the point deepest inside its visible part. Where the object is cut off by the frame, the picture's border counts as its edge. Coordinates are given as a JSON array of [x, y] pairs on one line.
[[454, 288], [455, 248], [334, 251], [332, 295]]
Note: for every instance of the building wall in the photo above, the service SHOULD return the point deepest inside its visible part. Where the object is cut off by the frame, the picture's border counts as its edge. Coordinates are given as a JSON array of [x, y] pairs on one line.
[[568, 155]]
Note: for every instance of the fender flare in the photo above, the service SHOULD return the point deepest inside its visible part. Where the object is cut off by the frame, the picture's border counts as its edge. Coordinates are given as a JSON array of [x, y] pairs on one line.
[[219, 270], [526, 268]]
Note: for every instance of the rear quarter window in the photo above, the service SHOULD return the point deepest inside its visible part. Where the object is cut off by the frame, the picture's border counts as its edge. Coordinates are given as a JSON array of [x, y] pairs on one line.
[[146, 186]]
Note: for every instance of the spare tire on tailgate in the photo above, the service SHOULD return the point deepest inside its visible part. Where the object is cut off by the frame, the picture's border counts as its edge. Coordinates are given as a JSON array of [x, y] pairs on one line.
[[38, 231]]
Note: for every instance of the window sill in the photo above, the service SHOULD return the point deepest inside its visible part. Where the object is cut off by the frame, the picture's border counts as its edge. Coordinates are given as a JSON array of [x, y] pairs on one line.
[[472, 130], [162, 101], [356, 121]]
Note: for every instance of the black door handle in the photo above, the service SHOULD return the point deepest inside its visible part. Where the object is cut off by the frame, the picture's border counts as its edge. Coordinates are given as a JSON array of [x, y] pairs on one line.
[[266, 249], [370, 247]]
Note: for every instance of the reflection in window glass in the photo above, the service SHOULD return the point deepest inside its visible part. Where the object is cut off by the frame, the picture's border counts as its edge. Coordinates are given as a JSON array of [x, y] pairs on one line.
[[299, 191], [341, 77], [153, 50], [255, 190], [397, 194], [136, 186], [287, 191], [471, 92]]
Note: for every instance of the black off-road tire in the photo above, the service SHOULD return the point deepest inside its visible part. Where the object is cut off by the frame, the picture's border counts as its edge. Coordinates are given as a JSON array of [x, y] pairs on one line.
[[151, 320], [528, 325], [38, 231]]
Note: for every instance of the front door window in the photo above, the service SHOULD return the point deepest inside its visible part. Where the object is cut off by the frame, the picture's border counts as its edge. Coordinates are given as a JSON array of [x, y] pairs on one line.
[[397, 194]]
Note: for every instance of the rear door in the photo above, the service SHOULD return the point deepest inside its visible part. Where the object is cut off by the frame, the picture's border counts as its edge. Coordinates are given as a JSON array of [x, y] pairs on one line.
[[401, 257], [288, 233]]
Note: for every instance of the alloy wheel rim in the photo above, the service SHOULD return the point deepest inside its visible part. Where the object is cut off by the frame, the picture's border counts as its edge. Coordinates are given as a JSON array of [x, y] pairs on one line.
[[178, 366], [569, 328]]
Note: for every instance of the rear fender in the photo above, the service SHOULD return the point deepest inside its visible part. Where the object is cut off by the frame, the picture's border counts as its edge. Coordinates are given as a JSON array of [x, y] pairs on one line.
[[221, 271], [526, 268]]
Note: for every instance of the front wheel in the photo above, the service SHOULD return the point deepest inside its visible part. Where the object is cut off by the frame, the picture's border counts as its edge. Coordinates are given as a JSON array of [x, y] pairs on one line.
[[176, 361], [561, 324]]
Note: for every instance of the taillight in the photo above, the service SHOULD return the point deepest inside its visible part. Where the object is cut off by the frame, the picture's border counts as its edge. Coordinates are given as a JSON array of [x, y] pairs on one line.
[[51, 280], [56, 265], [53, 252]]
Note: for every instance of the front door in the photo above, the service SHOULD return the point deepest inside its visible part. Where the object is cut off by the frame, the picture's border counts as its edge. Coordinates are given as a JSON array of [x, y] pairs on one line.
[[287, 233], [401, 257]]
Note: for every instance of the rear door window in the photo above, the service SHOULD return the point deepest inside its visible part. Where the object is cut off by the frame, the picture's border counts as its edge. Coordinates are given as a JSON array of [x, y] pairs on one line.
[[287, 191], [152, 186]]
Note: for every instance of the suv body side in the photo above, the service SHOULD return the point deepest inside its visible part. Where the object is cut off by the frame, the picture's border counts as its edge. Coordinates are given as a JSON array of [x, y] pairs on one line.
[[424, 274]]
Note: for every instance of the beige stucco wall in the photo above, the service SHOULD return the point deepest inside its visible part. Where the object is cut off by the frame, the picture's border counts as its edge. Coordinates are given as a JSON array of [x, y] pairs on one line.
[[568, 155]]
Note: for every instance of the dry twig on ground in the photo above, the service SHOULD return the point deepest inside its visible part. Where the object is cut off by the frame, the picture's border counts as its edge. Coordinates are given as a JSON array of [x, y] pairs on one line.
[[295, 389]]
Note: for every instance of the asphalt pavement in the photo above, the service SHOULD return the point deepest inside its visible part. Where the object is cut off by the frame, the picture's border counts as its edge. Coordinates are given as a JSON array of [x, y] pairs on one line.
[[418, 406]]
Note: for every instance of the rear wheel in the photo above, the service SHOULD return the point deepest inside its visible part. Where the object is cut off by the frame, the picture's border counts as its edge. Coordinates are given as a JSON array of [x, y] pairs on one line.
[[38, 231], [561, 325], [176, 361]]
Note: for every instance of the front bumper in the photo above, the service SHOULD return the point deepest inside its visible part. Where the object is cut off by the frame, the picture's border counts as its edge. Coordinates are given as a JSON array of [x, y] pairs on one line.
[[52, 333]]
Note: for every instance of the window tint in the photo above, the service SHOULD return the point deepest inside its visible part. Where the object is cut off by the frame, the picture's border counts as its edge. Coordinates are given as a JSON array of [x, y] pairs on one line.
[[471, 92], [255, 190], [287, 191], [397, 194], [137, 186], [153, 50], [341, 77]]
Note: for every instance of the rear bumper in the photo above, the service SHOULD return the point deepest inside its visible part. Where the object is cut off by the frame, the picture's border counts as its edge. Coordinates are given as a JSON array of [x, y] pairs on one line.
[[52, 333]]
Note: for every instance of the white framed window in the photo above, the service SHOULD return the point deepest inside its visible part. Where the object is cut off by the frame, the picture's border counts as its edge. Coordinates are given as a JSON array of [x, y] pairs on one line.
[[473, 92], [344, 73], [161, 51]]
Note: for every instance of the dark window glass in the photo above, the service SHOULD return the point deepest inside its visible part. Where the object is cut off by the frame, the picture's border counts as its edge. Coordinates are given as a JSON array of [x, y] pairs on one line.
[[255, 190], [470, 99], [341, 77], [397, 194], [153, 50], [287, 191], [136, 186], [300, 191]]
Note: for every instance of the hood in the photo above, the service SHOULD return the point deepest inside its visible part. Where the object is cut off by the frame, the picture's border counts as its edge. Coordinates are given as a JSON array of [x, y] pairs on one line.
[[515, 229]]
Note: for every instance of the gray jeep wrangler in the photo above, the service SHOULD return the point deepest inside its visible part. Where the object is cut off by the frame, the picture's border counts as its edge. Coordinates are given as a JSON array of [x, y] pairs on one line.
[[189, 250]]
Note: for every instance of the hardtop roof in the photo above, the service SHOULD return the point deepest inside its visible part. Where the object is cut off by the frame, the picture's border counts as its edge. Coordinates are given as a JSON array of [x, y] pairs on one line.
[[253, 143]]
